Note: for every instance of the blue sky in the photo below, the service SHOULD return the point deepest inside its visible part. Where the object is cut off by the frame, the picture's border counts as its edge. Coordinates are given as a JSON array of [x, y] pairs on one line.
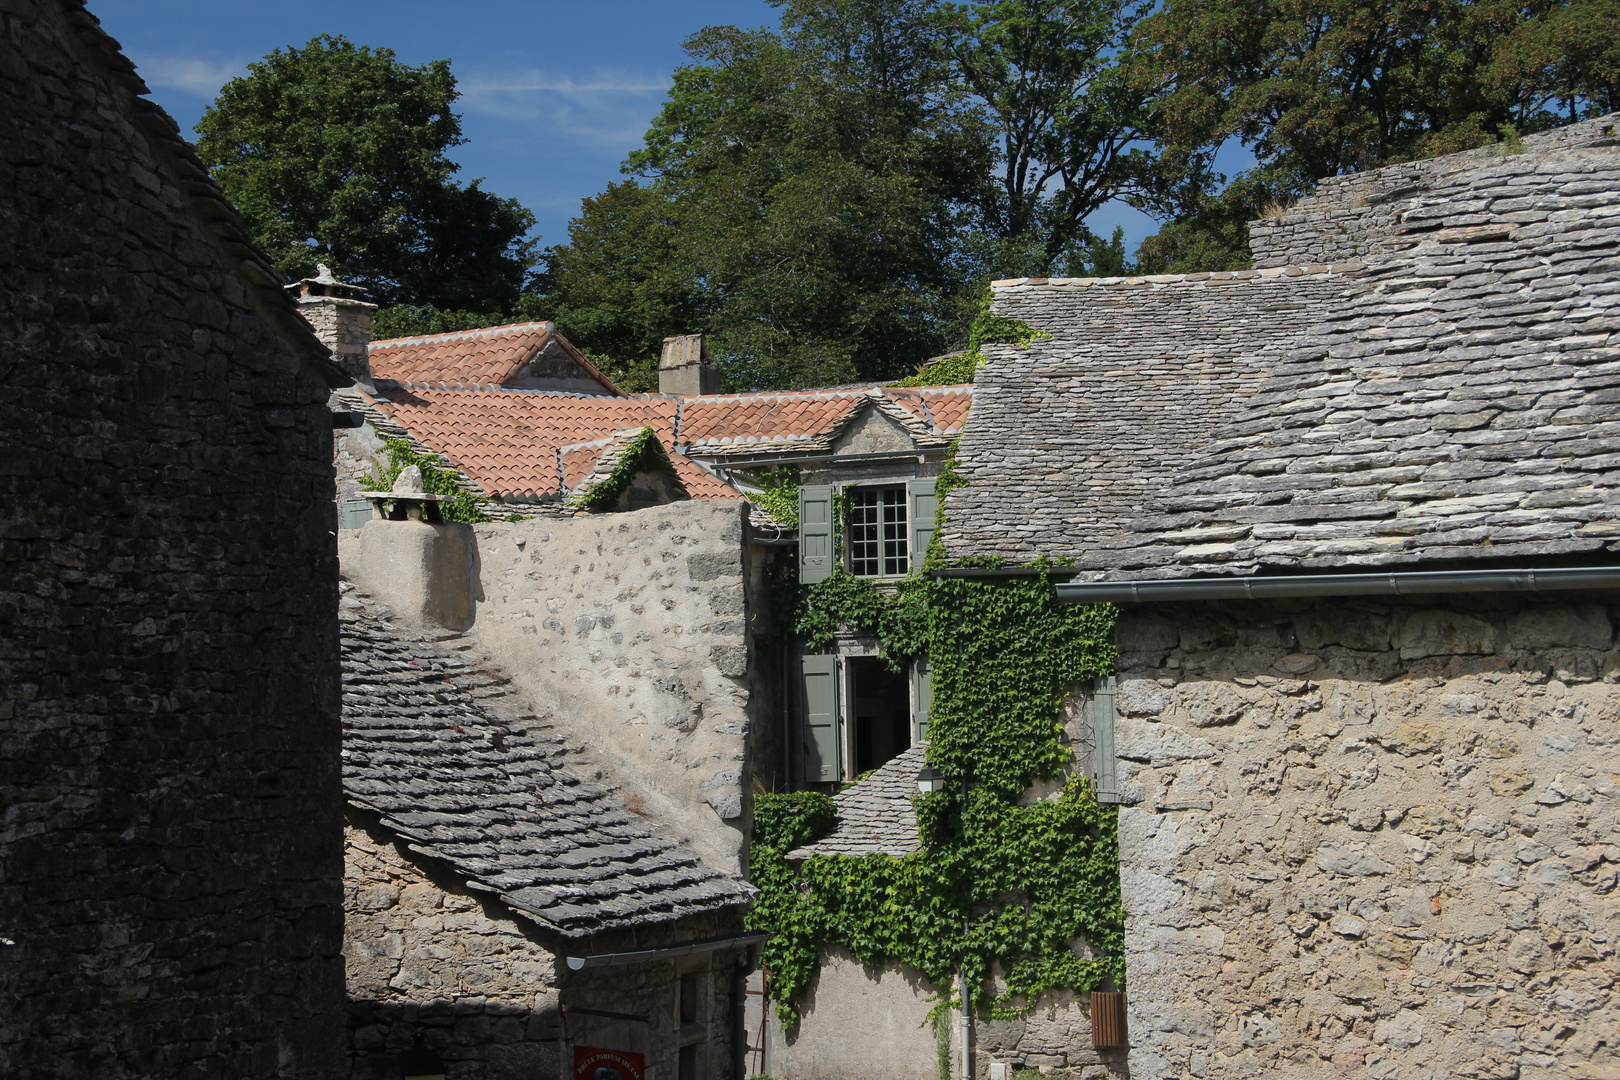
[[554, 95]]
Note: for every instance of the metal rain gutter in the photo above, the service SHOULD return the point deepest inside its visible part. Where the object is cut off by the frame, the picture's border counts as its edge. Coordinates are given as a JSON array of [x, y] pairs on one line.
[[1365, 584], [668, 952]]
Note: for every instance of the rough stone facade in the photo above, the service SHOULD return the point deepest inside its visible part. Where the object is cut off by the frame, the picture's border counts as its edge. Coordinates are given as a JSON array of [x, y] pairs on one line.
[[1363, 837], [170, 860], [1070, 435], [487, 990], [1347, 215], [637, 630], [1376, 839]]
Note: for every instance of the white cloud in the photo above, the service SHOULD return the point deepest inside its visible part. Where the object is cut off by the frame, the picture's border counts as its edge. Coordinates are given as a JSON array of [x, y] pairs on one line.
[[605, 109], [188, 74]]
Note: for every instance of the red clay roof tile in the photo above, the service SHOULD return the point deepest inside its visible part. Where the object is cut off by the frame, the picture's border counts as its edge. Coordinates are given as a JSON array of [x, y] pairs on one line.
[[491, 356], [509, 441]]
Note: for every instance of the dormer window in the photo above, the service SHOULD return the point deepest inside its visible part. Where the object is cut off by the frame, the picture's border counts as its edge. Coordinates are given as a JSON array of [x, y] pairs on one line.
[[879, 541]]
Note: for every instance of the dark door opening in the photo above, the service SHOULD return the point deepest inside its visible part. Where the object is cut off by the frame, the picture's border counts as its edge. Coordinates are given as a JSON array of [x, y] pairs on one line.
[[882, 713]]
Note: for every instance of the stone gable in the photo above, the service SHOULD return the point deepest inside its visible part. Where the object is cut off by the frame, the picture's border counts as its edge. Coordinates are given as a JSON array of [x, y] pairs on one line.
[[171, 863]]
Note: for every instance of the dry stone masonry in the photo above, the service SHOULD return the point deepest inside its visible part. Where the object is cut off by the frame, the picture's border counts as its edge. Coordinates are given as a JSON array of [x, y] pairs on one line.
[[482, 848], [1377, 839], [636, 630], [1347, 215], [170, 859]]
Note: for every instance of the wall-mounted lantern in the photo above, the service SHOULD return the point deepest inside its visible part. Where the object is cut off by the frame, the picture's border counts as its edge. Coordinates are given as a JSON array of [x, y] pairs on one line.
[[420, 1062], [930, 780]]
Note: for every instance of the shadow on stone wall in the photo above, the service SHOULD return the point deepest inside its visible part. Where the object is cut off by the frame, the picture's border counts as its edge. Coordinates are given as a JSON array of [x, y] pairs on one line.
[[478, 1040]]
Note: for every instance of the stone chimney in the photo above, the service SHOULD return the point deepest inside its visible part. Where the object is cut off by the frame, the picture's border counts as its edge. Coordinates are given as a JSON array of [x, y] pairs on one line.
[[686, 368], [340, 318]]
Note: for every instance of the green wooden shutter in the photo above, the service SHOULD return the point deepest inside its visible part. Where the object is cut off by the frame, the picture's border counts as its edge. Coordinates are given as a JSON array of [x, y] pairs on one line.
[[815, 533], [820, 678], [1103, 762], [924, 509], [923, 697]]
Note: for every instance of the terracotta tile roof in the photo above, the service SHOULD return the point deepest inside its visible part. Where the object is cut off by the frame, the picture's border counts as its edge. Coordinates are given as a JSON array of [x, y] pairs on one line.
[[507, 441], [766, 422], [544, 443], [492, 356], [944, 408]]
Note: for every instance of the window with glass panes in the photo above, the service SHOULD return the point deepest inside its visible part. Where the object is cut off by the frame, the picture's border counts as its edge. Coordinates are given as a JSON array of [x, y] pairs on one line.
[[878, 539]]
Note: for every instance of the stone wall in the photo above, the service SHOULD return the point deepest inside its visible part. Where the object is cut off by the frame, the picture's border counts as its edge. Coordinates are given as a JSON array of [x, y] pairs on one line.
[[1346, 215], [487, 990], [636, 631], [170, 860], [1071, 436], [1372, 838]]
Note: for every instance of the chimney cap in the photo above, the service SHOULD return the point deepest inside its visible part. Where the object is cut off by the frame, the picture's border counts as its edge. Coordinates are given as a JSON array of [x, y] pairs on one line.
[[684, 349], [325, 284]]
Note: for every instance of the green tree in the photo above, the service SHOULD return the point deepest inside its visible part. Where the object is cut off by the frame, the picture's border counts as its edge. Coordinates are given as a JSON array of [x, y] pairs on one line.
[[1322, 87], [803, 192], [1068, 118], [624, 283], [1317, 88], [335, 153]]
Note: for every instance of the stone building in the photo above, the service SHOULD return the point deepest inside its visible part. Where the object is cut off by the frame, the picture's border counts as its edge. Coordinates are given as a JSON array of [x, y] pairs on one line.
[[503, 905], [529, 426], [170, 861], [1366, 721]]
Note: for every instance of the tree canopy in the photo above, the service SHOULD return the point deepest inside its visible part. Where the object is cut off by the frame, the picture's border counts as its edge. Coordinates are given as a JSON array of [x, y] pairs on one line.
[[1316, 88], [827, 199], [336, 153]]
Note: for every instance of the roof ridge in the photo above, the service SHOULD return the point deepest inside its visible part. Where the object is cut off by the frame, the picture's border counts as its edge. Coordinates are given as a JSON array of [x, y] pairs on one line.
[[1270, 273], [474, 334], [493, 388]]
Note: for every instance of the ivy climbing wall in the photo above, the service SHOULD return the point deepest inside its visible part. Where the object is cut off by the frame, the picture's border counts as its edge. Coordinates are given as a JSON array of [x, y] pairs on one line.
[[1017, 885]]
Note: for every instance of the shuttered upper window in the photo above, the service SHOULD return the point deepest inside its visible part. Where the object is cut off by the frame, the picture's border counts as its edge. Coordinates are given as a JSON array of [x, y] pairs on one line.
[[879, 540]]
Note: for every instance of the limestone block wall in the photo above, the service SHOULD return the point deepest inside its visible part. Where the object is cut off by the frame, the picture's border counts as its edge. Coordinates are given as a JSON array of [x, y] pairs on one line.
[[428, 955], [487, 989], [170, 854], [1055, 1038], [633, 630], [1376, 839]]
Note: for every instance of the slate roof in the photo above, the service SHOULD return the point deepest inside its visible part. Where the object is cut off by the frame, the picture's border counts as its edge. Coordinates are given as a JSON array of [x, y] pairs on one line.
[[1070, 437], [1450, 399], [491, 356], [1462, 405], [875, 816], [460, 769]]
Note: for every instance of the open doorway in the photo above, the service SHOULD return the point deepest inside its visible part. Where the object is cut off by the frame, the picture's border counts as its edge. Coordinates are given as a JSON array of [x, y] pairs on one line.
[[882, 713]]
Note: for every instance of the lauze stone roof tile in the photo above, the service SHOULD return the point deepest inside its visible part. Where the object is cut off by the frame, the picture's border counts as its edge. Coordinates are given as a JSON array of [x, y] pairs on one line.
[[456, 766], [1463, 404], [875, 816], [1455, 398]]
